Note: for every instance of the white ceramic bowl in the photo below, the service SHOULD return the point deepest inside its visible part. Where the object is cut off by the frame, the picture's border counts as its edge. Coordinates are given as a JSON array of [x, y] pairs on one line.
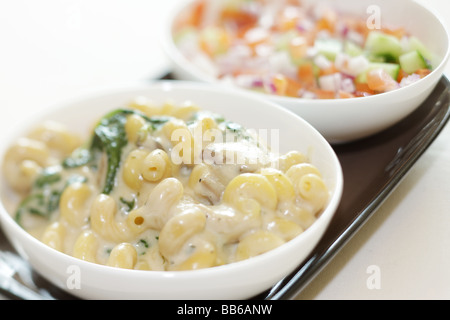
[[234, 281], [350, 119]]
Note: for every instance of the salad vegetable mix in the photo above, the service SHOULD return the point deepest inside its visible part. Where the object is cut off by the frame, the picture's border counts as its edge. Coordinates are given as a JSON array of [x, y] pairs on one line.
[[292, 49]]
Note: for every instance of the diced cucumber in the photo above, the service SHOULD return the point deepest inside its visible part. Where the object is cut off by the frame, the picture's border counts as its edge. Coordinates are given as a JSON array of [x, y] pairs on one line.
[[412, 61], [385, 45], [392, 69], [379, 58], [352, 49], [416, 44], [329, 47]]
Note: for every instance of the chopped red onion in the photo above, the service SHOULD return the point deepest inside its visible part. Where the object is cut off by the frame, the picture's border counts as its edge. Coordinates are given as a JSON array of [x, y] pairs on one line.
[[322, 62], [409, 80], [331, 82]]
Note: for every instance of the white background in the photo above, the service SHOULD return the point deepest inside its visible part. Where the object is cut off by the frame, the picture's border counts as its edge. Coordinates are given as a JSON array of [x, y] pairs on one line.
[[54, 50]]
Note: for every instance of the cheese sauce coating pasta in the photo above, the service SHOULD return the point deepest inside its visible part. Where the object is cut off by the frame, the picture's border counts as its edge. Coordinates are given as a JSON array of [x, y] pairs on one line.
[[161, 187]]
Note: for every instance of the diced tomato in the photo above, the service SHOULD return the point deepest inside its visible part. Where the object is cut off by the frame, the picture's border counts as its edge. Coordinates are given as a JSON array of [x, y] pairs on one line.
[[423, 72], [345, 95], [293, 88], [280, 84], [286, 86], [195, 19], [363, 90], [328, 21], [358, 26], [324, 94], [240, 21], [192, 18], [298, 47], [402, 74], [305, 74], [398, 33], [380, 81]]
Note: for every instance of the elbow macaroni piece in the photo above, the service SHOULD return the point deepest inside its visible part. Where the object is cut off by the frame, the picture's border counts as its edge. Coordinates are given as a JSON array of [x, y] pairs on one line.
[[286, 161], [73, 204], [135, 128], [157, 210], [312, 188], [182, 140], [257, 243], [57, 137], [297, 171], [285, 229], [54, 236], [283, 186], [185, 111], [23, 161], [178, 230], [132, 170], [166, 211], [203, 256], [103, 220], [123, 256], [156, 166], [249, 193], [86, 246]]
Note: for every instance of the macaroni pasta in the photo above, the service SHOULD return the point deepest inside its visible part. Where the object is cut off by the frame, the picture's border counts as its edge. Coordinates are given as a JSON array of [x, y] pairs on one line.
[[169, 187]]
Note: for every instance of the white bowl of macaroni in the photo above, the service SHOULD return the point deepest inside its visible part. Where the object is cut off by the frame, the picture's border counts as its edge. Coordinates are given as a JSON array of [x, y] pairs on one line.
[[350, 68], [169, 190]]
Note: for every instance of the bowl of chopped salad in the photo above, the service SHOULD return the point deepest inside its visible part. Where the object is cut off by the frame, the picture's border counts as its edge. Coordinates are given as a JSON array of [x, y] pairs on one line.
[[350, 68]]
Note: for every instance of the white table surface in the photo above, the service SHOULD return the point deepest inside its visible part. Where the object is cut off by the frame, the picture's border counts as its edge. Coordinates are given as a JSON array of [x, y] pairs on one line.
[[54, 50]]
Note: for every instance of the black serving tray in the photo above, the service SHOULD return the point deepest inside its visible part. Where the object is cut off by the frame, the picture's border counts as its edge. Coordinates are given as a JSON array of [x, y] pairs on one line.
[[372, 168]]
